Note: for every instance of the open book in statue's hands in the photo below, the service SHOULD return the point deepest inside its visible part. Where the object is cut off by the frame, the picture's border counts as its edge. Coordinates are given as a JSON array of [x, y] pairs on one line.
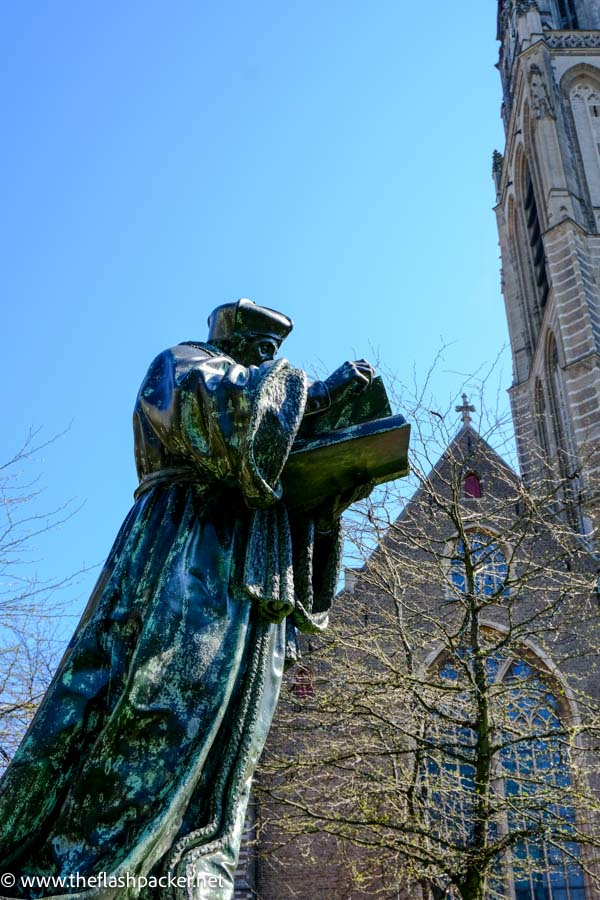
[[341, 454]]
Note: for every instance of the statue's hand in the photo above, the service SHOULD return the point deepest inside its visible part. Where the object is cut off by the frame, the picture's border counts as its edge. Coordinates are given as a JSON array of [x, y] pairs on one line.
[[351, 377]]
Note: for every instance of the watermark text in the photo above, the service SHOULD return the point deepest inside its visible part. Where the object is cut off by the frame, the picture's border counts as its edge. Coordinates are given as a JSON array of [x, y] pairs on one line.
[[108, 880]]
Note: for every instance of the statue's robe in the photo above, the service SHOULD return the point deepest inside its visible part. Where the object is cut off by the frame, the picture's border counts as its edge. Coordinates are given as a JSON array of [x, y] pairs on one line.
[[140, 757]]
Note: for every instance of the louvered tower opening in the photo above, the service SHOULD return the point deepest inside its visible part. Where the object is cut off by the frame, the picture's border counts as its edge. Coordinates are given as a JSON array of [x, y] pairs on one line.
[[536, 244], [567, 14]]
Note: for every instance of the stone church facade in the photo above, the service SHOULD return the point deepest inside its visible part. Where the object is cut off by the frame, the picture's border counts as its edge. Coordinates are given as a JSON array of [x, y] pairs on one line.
[[548, 211], [542, 620]]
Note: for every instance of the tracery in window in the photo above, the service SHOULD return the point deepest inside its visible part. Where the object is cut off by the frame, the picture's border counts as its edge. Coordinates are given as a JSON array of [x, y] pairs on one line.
[[532, 770], [490, 573], [532, 777]]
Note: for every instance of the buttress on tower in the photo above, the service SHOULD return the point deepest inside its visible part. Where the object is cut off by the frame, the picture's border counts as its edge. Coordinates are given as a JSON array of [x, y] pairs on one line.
[[548, 211]]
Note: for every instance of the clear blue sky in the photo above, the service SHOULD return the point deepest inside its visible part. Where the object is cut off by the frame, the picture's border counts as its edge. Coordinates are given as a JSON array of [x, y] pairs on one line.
[[331, 159]]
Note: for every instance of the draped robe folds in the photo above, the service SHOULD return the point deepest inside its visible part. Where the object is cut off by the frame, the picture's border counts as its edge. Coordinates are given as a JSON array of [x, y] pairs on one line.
[[139, 759]]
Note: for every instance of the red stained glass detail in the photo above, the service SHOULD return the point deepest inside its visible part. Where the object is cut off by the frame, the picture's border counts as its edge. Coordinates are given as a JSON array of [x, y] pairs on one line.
[[303, 683], [472, 486]]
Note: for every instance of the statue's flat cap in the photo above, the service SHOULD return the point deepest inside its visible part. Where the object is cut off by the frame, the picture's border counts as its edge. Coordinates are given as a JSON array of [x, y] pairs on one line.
[[246, 317]]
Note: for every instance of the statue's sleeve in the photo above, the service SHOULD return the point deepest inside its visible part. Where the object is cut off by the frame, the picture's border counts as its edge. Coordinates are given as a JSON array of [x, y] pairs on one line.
[[317, 560], [232, 422]]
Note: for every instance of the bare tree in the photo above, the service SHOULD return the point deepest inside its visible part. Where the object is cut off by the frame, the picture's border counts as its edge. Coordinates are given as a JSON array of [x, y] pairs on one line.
[[444, 735], [32, 612]]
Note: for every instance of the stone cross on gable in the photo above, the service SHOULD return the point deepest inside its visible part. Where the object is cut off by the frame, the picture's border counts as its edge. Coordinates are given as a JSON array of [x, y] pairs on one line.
[[465, 409]]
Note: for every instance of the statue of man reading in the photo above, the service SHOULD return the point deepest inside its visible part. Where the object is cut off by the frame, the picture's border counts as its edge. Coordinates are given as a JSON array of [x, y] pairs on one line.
[[140, 757]]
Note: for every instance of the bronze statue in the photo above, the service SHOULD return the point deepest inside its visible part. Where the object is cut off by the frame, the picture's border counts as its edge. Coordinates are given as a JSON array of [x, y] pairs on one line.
[[136, 769]]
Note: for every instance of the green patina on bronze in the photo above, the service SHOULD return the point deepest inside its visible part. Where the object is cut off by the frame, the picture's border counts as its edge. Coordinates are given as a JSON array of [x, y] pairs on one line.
[[140, 758]]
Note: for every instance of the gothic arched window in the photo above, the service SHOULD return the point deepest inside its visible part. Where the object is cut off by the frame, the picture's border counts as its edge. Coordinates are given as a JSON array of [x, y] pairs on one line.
[[490, 569], [532, 775], [532, 770]]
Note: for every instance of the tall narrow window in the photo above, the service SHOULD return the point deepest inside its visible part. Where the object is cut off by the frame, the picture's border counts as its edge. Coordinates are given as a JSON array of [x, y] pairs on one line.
[[567, 15], [540, 419], [536, 243], [563, 437], [534, 769]]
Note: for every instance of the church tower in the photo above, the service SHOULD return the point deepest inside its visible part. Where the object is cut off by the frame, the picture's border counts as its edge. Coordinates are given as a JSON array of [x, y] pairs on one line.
[[548, 211]]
